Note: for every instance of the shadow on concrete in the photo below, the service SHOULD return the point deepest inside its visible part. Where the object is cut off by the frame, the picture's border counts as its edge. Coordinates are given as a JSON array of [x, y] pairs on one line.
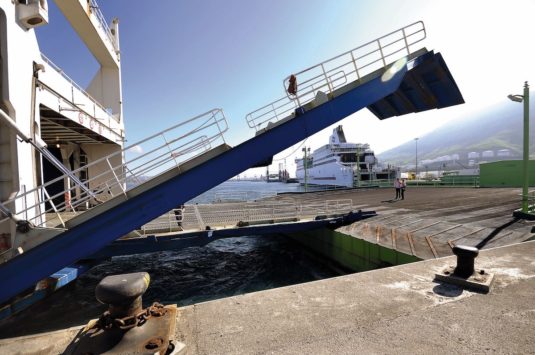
[[495, 232], [447, 290], [390, 201]]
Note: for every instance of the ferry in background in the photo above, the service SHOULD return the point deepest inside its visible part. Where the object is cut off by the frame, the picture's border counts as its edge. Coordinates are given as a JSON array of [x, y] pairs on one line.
[[344, 164]]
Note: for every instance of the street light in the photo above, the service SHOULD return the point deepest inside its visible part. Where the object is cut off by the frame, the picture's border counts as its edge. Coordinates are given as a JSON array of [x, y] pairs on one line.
[[416, 168], [305, 166], [525, 182]]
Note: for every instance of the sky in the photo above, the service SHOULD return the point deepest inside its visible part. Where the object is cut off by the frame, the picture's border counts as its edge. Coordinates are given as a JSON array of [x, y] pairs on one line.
[[183, 58]]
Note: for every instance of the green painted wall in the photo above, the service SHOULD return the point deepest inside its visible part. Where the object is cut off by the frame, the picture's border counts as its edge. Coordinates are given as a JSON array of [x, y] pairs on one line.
[[350, 252], [506, 173]]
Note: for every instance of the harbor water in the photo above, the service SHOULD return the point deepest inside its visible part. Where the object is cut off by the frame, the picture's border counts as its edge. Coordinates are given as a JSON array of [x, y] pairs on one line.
[[223, 268]]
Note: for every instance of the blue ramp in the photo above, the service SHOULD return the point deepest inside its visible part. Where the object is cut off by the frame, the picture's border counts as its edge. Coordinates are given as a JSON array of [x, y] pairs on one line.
[[149, 200], [425, 87]]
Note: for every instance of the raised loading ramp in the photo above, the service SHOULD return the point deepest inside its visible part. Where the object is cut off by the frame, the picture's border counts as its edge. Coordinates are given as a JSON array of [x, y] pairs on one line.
[[124, 213]]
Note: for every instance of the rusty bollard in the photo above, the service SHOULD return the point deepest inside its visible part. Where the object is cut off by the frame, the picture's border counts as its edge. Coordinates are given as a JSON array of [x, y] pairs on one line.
[[122, 293]]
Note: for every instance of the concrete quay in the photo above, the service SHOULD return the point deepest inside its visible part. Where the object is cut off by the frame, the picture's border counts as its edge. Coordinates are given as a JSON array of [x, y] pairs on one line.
[[392, 310], [429, 221], [397, 310]]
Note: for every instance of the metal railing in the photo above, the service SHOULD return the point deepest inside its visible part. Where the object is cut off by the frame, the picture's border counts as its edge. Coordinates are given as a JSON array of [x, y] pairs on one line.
[[74, 85], [166, 150], [95, 9], [336, 72], [198, 217], [241, 196]]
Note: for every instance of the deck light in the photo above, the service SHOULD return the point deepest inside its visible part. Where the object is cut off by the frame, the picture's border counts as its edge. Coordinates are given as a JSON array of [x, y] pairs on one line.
[[516, 98], [525, 184]]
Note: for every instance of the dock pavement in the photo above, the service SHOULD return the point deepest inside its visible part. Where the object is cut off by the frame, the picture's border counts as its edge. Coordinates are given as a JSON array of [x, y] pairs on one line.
[[430, 220]]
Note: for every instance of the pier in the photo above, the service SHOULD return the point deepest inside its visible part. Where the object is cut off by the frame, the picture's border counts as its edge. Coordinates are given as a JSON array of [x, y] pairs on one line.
[[398, 309], [426, 225]]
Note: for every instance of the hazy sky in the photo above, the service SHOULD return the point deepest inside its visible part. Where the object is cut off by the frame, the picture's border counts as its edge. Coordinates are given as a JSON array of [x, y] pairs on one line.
[[182, 58]]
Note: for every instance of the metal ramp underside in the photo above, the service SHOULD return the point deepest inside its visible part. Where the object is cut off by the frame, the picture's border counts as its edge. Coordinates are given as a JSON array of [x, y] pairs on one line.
[[423, 88], [119, 216]]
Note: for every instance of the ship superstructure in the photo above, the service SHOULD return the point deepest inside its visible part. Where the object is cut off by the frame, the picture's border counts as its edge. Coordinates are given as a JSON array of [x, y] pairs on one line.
[[340, 163]]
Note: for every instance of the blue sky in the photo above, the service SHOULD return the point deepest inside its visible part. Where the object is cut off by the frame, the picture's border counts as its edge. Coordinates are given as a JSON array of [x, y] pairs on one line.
[[182, 58]]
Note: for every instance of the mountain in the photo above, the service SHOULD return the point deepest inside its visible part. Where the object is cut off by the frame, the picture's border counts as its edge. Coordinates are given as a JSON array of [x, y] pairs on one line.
[[467, 141]]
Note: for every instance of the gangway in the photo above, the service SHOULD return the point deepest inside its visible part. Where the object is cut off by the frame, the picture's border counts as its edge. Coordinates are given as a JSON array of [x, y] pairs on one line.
[[394, 76]]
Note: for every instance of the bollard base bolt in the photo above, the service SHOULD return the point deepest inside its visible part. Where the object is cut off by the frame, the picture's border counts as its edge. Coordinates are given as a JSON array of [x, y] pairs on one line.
[[479, 281]]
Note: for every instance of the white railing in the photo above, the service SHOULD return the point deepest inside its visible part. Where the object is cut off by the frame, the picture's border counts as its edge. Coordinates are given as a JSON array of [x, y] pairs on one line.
[[338, 71], [95, 9], [241, 196], [74, 86], [195, 217], [124, 169]]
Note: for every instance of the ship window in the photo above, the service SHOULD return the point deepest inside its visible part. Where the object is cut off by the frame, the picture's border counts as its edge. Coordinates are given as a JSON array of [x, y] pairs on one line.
[[348, 158]]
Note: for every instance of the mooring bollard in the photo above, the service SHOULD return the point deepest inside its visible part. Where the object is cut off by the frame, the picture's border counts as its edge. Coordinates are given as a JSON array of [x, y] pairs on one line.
[[465, 260], [122, 293]]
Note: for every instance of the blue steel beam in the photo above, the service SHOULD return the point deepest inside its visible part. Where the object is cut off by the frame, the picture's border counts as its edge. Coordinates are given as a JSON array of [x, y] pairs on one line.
[[90, 236]]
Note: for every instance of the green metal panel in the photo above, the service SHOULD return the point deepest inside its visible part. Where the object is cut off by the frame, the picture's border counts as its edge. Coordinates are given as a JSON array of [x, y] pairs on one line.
[[350, 252], [506, 173], [460, 180]]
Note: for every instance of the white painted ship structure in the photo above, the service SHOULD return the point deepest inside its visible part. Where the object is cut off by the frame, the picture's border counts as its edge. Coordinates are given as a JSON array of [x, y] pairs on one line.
[[49, 124], [342, 164]]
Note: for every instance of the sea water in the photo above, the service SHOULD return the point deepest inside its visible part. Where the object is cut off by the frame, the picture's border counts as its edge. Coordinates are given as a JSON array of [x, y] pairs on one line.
[[223, 268]]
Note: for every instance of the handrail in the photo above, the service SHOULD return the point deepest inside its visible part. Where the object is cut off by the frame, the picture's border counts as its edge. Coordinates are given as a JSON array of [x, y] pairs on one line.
[[97, 120], [143, 160], [79, 88], [230, 213], [353, 64], [100, 17], [241, 196]]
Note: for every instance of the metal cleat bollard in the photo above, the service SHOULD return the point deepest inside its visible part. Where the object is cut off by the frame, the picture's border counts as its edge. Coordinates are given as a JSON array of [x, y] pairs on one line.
[[465, 260], [464, 274], [127, 328], [122, 293]]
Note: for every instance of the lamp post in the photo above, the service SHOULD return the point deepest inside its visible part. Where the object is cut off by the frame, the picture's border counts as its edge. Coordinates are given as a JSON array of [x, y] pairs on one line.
[[525, 175], [416, 168], [305, 166], [358, 167]]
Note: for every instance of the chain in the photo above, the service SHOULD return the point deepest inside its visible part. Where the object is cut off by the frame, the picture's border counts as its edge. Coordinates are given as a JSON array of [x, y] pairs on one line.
[[137, 320]]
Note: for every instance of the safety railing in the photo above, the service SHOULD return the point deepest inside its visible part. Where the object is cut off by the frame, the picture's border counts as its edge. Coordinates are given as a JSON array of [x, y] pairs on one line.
[[118, 172], [330, 75], [95, 9], [74, 86], [241, 196], [221, 215]]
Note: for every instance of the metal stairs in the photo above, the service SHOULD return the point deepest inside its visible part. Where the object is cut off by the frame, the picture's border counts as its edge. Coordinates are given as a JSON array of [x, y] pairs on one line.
[[320, 101]]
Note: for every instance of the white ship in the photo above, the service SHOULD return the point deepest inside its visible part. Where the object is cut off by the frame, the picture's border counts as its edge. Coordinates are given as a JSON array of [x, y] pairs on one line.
[[340, 163]]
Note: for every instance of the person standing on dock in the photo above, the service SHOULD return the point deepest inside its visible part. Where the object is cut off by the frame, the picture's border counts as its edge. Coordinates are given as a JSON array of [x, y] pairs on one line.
[[397, 186], [402, 187]]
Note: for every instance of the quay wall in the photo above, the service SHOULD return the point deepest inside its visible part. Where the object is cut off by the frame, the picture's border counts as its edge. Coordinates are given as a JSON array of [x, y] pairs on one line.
[[349, 252]]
